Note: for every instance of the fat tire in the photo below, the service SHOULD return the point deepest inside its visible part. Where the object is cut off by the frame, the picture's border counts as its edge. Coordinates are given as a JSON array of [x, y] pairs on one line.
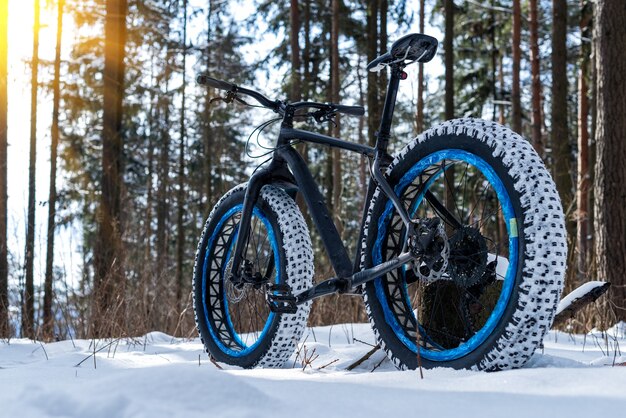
[[542, 249], [296, 255]]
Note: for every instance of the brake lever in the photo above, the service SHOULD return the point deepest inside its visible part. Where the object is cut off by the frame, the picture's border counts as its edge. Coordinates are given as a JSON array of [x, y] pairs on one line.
[[230, 97], [322, 116]]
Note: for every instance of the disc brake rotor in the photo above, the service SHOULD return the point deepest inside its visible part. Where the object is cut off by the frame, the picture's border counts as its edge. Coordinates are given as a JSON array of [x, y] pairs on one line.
[[432, 265], [234, 293]]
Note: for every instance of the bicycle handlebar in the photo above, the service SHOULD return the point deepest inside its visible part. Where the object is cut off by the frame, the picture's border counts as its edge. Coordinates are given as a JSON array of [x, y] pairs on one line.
[[205, 80], [277, 105]]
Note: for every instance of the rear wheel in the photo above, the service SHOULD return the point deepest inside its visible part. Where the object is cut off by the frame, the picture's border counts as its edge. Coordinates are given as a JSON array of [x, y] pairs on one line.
[[492, 300], [234, 320]]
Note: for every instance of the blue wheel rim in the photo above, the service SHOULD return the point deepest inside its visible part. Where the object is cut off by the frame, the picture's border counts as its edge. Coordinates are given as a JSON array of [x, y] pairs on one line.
[[244, 348], [509, 281]]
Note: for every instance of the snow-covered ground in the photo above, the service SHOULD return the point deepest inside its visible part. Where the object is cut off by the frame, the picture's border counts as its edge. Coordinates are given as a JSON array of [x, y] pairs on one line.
[[159, 376]]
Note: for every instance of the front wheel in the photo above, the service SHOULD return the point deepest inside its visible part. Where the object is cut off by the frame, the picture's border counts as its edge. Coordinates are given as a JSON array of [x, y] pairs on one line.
[[490, 298], [234, 320]]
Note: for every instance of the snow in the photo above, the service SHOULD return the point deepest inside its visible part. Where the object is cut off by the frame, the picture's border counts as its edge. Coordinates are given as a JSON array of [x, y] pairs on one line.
[[158, 375], [577, 294], [502, 265]]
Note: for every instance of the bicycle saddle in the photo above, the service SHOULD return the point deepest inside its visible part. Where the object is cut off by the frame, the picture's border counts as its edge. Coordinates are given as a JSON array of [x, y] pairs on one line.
[[415, 47]]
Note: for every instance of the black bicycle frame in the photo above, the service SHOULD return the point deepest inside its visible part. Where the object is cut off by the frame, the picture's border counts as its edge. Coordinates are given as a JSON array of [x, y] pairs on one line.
[[288, 169]]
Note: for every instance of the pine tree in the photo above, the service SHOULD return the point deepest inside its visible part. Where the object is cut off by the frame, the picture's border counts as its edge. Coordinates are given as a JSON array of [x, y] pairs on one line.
[[4, 268], [448, 47], [537, 136], [419, 116], [48, 325], [561, 150], [610, 170], [583, 230], [180, 239], [296, 80], [28, 309], [516, 108], [110, 276], [373, 107], [336, 131]]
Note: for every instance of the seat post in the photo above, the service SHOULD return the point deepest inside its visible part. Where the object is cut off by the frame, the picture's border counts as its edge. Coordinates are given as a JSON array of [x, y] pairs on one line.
[[384, 131]]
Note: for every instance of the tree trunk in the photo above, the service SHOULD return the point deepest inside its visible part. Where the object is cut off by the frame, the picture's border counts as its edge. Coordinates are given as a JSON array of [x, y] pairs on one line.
[[383, 8], [180, 239], [494, 61], [152, 126], [373, 109], [610, 170], [335, 86], [306, 51], [162, 204], [296, 90], [207, 162], [363, 161], [48, 324], [501, 113], [536, 137], [449, 96], [110, 280], [449, 58], [582, 190], [419, 116], [592, 145], [149, 202], [328, 176], [4, 267], [28, 309], [561, 150], [296, 82], [516, 105]]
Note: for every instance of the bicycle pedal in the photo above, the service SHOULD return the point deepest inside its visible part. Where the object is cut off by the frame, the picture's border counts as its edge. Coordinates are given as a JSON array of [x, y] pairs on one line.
[[281, 300]]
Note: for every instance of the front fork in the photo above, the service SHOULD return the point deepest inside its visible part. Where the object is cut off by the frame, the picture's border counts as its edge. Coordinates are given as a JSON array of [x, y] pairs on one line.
[[275, 172]]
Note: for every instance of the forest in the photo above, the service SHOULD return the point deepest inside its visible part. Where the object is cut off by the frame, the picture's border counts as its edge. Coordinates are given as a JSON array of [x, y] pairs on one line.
[[135, 154]]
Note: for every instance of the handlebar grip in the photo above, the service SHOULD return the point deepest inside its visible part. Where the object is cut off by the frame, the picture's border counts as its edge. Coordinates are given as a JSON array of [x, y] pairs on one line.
[[350, 110], [205, 80]]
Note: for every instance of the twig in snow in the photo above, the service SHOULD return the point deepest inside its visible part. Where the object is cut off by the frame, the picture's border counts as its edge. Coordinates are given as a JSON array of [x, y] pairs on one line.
[[378, 364], [298, 352], [115, 349], [308, 358], [94, 353], [362, 359], [215, 362], [44, 350], [362, 342], [344, 327], [328, 364]]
